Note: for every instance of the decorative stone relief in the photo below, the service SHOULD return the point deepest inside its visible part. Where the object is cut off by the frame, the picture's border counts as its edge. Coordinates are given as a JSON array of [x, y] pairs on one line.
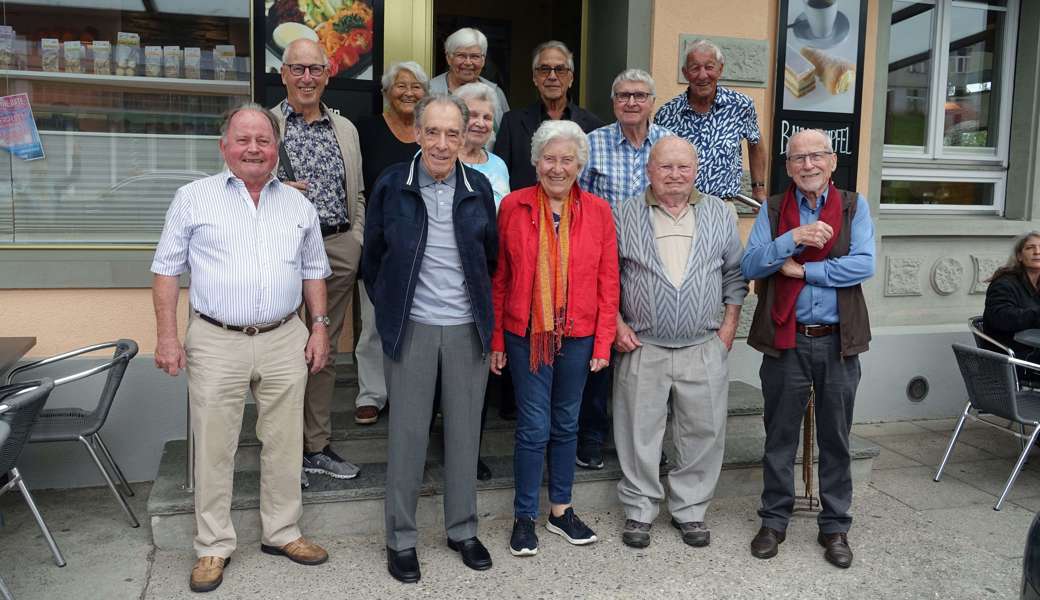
[[946, 275], [902, 276], [747, 61], [984, 267]]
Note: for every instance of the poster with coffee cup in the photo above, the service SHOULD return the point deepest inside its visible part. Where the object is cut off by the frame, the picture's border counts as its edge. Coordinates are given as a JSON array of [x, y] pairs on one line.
[[820, 55]]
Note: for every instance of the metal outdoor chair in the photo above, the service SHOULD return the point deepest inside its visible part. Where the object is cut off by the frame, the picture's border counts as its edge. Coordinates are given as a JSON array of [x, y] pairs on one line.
[[20, 404], [992, 384], [985, 341], [5, 432], [77, 424]]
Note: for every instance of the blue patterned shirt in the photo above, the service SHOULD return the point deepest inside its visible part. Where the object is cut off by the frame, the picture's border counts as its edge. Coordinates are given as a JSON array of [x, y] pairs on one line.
[[317, 159], [717, 135], [616, 169]]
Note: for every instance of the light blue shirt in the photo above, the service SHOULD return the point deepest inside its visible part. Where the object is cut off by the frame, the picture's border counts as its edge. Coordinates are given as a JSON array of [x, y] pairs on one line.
[[818, 301], [497, 173], [247, 261], [441, 297], [616, 169]]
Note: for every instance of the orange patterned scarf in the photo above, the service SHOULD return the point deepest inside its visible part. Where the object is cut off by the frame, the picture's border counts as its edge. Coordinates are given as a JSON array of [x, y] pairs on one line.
[[549, 297]]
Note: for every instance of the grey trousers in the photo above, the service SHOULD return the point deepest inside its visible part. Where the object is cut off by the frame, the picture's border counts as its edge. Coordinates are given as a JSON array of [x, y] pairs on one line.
[[368, 354], [786, 380], [410, 385], [696, 378]]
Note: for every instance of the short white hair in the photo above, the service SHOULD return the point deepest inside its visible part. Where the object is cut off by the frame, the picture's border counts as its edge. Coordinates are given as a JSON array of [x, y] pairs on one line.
[[551, 130], [464, 38], [288, 50], [480, 91], [705, 46], [817, 132], [635, 75], [552, 45], [390, 76]]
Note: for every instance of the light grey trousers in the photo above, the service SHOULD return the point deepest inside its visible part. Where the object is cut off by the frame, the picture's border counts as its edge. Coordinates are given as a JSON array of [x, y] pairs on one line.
[[410, 385], [696, 379], [368, 354]]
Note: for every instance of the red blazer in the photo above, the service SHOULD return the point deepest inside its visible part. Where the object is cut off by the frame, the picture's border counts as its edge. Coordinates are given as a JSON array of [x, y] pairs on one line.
[[592, 290]]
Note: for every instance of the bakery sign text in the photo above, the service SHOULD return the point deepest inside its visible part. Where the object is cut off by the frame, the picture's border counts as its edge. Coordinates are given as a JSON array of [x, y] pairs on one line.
[[839, 137]]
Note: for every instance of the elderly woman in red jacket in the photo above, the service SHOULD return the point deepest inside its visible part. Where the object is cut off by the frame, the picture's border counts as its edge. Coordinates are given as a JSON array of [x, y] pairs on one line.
[[555, 296]]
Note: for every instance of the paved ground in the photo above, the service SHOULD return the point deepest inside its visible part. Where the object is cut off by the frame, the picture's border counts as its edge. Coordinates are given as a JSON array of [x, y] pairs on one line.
[[913, 539]]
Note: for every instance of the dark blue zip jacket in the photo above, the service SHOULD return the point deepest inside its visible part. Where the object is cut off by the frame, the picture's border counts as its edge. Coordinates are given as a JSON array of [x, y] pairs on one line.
[[395, 242]]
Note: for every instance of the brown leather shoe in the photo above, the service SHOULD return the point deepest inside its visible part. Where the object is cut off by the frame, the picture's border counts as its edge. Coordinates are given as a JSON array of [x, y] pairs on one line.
[[836, 548], [366, 415], [299, 551], [208, 573], [767, 542]]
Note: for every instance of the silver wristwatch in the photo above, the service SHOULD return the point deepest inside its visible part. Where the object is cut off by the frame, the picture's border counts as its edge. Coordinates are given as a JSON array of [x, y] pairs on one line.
[[321, 320]]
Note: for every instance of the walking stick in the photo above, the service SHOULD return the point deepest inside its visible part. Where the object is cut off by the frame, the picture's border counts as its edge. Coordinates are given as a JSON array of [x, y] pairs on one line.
[[808, 502]]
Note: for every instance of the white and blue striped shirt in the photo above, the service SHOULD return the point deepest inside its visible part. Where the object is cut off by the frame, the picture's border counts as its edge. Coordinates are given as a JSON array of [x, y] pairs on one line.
[[247, 261]]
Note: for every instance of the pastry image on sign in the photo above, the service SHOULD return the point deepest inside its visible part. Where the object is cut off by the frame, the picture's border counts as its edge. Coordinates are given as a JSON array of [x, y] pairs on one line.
[[836, 74], [799, 74]]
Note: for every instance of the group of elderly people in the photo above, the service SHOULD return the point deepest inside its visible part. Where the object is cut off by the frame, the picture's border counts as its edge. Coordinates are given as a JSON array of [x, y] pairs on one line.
[[573, 246]]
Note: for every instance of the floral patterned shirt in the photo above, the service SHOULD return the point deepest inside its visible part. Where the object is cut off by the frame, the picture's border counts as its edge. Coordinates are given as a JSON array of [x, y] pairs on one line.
[[315, 156]]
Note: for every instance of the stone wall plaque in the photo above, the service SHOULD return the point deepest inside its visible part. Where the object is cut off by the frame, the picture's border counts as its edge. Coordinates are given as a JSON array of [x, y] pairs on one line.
[[902, 276], [946, 275], [984, 268], [746, 61]]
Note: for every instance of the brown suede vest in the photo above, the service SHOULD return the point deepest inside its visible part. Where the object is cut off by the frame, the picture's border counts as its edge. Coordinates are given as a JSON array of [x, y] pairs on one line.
[[852, 307]]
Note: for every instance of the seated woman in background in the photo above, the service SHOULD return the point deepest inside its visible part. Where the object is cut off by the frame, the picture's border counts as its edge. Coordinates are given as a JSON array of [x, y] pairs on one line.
[[1012, 300]]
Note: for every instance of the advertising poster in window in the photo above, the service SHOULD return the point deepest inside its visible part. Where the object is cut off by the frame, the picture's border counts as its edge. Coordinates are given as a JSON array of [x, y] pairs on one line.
[[344, 28], [819, 60]]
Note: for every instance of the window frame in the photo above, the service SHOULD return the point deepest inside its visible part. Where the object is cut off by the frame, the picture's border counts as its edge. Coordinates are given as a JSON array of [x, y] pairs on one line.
[[934, 161]]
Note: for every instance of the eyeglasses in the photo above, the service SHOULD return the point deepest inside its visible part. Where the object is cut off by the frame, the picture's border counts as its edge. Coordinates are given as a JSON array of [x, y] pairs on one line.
[[560, 70], [298, 70], [624, 97], [467, 56], [815, 157]]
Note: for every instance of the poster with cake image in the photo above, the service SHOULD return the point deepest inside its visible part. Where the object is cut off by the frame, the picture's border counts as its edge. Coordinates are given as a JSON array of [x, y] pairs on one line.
[[820, 58]]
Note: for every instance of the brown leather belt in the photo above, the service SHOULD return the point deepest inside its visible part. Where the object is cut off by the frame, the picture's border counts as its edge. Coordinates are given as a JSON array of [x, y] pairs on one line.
[[247, 329], [816, 330]]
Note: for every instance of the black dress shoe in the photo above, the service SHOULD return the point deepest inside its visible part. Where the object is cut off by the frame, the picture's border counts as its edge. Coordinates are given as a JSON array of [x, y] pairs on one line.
[[836, 549], [767, 542], [403, 564], [483, 471], [474, 554]]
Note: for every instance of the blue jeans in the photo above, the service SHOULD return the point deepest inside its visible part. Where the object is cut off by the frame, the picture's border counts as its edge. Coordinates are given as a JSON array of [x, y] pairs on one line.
[[547, 405], [593, 420]]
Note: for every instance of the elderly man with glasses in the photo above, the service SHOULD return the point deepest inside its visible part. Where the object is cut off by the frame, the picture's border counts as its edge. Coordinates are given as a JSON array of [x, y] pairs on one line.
[[810, 250], [466, 52], [552, 68], [618, 154], [320, 156]]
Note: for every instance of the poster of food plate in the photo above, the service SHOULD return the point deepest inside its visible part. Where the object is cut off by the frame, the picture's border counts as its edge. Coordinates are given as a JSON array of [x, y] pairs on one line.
[[820, 57], [344, 28]]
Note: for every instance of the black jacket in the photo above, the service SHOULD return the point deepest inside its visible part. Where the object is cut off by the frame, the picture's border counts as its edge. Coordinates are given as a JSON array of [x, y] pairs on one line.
[[1011, 306], [513, 141], [395, 242]]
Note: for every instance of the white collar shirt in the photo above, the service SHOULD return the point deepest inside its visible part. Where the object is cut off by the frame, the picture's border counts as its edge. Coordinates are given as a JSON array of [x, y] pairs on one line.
[[247, 261]]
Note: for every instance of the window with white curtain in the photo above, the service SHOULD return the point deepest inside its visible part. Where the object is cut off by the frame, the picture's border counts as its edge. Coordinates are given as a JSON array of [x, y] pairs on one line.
[[947, 115]]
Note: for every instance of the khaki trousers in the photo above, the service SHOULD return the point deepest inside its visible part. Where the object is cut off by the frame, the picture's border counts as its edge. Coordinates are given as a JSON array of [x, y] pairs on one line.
[[696, 379], [222, 367], [344, 255]]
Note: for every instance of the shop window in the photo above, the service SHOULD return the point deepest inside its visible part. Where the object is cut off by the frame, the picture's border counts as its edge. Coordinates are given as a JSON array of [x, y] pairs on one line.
[[127, 96], [947, 118]]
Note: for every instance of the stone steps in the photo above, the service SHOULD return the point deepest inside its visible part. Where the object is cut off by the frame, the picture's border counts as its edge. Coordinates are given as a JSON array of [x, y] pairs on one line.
[[331, 505]]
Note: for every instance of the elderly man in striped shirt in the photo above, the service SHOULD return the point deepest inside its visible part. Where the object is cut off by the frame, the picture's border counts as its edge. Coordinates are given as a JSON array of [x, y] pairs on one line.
[[616, 170], [253, 247], [681, 293]]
